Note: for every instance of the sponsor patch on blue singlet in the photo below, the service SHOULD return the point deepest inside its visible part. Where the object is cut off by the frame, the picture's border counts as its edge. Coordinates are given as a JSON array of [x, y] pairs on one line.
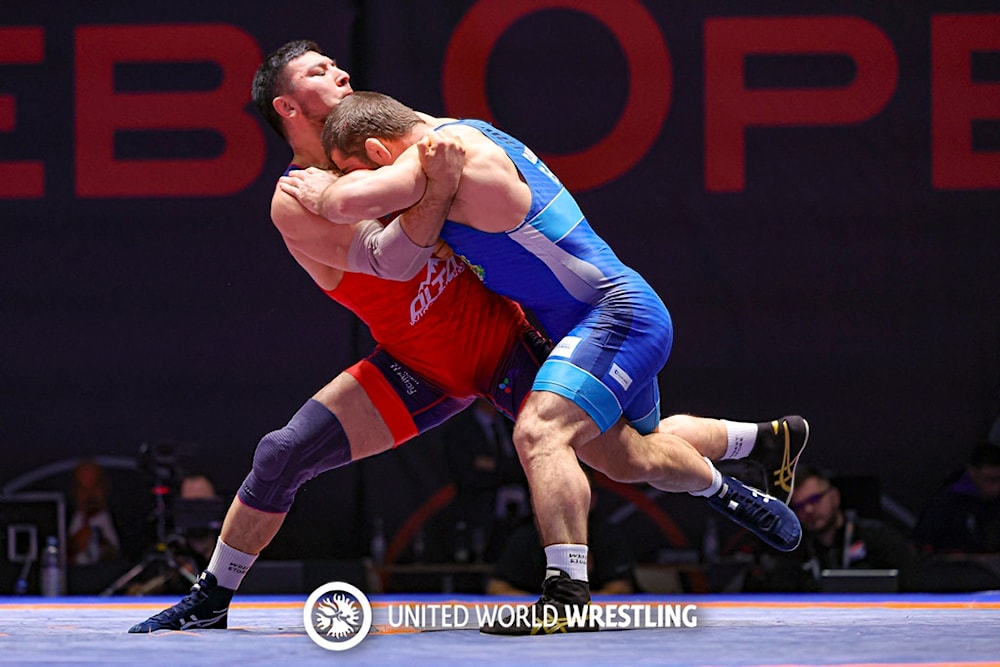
[[620, 376], [566, 347]]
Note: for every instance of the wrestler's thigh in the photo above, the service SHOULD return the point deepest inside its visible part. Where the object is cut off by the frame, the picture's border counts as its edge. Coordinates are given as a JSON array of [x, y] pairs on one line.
[[618, 447], [364, 426], [548, 418]]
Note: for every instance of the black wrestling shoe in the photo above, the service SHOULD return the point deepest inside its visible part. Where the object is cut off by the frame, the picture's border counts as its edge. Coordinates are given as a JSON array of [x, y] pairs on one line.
[[205, 607], [563, 607], [777, 449], [763, 515]]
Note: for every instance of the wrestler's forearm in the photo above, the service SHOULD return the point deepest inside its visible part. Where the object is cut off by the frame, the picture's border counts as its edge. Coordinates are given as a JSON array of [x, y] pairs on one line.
[[369, 195], [422, 223], [442, 158]]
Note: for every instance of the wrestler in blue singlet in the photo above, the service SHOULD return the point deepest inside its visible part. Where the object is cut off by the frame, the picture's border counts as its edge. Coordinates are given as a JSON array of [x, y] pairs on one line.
[[614, 333]]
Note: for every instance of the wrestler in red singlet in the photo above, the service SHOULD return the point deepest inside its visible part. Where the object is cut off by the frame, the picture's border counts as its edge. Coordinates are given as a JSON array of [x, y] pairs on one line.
[[443, 323], [447, 327]]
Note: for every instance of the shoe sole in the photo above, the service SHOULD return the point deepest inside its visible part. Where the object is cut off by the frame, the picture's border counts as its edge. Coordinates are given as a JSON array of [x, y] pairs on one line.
[[773, 477], [725, 507], [795, 462]]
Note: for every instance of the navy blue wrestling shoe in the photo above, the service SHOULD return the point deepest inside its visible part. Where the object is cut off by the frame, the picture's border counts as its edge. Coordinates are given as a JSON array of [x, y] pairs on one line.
[[563, 607], [765, 516], [777, 449], [206, 607]]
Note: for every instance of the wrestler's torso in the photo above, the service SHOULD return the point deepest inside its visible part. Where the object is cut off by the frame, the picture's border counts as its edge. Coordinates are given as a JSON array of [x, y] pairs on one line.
[[443, 323], [553, 262]]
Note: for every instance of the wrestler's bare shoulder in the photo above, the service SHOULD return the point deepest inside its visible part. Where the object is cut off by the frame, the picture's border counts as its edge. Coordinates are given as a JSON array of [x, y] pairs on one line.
[[318, 246]]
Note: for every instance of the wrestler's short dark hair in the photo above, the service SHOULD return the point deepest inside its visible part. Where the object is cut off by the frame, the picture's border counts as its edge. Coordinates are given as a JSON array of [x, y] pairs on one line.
[[271, 80]]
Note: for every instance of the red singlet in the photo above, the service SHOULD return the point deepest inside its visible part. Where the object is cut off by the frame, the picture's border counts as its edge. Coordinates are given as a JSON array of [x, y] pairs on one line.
[[444, 323]]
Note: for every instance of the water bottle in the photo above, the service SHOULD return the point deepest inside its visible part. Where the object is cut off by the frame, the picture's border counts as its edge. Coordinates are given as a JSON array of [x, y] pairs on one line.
[[710, 544], [51, 573], [378, 544], [94, 545], [479, 543], [461, 554], [419, 546]]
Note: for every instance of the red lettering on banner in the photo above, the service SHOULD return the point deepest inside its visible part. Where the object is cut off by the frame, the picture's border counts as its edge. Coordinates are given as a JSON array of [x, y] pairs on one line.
[[730, 107], [23, 179], [956, 101], [650, 76], [100, 111]]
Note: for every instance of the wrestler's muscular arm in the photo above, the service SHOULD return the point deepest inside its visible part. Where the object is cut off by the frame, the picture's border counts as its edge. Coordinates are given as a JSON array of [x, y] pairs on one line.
[[370, 194], [325, 250], [442, 160], [362, 194], [319, 247]]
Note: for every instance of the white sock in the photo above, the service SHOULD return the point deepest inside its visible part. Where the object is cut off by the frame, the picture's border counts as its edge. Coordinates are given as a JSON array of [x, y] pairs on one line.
[[570, 558], [716, 484], [229, 565], [740, 439]]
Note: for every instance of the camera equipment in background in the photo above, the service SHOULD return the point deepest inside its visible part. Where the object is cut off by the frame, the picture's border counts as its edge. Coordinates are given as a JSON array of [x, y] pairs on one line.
[[177, 521]]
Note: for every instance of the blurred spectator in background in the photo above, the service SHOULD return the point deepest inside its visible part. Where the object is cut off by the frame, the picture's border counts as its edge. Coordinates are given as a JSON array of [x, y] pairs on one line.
[[491, 489], [520, 568], [198, 515], [93, 537], [834, 538], [197, 486], [964, 515]]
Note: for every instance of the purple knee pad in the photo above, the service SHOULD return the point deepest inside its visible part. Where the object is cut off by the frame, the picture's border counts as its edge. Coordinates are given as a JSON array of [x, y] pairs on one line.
[[311, 443]]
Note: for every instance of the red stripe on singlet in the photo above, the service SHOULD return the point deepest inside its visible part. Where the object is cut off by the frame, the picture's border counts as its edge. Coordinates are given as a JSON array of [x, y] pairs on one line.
[[385, 399]]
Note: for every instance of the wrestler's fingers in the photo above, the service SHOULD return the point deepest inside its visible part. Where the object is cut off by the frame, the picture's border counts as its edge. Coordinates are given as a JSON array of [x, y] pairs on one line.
[[427, 144], [442, 250]]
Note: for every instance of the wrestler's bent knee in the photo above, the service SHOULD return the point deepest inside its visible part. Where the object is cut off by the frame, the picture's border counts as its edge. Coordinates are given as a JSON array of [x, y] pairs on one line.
[[311, 443]]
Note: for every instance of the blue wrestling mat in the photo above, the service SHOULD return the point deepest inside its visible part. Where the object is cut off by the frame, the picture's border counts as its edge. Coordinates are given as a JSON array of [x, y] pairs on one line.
[[745, 630]]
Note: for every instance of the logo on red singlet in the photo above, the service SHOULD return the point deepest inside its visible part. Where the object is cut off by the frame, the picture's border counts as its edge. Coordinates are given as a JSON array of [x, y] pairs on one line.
[[440, 272]]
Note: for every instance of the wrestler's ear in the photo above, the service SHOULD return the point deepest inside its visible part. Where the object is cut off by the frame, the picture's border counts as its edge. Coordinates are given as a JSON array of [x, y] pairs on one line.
[[285, 107], [378, 152]]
